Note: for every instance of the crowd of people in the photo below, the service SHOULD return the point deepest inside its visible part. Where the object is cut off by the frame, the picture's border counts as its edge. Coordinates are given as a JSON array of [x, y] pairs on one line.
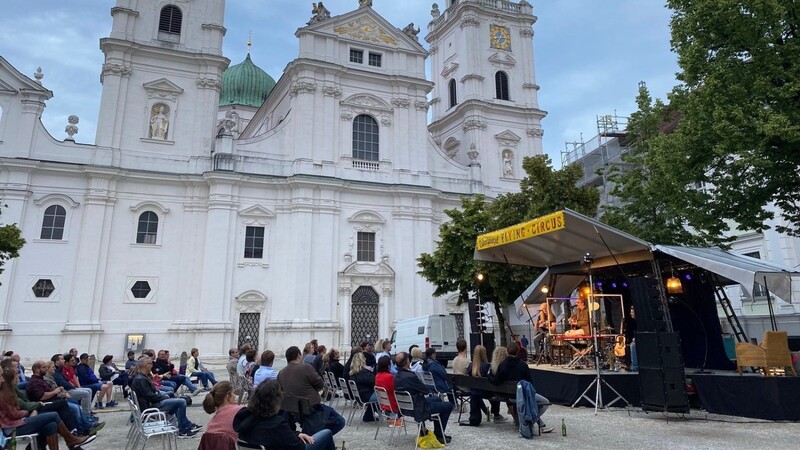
[[58, 396]]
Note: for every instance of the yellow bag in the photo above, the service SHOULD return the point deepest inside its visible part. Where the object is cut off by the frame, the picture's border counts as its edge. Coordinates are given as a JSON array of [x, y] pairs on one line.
[[429, 441]]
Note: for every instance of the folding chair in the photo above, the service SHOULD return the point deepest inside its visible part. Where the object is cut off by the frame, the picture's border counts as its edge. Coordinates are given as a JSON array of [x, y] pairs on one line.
[[33, 441], [405, 403], [359, 403], [242, 445], [384, 403], [336, 390], [150, 423]]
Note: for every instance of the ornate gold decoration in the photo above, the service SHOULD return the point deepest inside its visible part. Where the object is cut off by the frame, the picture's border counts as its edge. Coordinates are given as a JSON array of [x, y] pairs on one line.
[[499, 37], [365, 29]]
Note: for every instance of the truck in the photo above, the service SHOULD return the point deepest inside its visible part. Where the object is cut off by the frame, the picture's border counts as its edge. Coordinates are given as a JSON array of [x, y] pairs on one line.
[[436, 331]]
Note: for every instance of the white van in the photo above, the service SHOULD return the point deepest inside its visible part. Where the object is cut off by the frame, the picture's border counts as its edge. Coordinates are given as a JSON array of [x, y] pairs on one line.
[[436, 331]]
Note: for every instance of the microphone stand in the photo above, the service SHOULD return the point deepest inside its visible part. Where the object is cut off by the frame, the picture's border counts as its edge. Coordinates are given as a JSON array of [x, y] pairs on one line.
[[598, 381]]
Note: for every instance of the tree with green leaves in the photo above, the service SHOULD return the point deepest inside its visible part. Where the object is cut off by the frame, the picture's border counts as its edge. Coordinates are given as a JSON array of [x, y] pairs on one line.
[[451, 267], [10, 243], [740, 106]]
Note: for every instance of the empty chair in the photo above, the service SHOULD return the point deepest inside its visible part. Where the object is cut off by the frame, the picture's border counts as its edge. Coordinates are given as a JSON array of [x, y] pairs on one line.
[[406, 405]]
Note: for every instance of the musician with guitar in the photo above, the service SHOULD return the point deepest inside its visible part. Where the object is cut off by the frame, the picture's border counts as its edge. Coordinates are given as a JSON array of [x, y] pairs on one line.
[[545, 324], [579, 320]]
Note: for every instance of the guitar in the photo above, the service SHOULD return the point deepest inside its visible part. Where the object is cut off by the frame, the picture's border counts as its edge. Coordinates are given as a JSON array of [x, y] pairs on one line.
[[619, 347]]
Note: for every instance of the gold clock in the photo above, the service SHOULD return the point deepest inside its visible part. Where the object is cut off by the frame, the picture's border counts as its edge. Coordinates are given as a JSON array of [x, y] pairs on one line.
[[499, 37]]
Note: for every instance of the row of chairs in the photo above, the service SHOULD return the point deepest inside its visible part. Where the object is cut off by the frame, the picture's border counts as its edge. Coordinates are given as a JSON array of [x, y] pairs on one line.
[[150, 423]]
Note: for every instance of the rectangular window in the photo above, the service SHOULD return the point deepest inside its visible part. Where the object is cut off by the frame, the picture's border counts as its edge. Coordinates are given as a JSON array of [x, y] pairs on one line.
[[254, 242], [375, 59], [357, 56], [366, 247]]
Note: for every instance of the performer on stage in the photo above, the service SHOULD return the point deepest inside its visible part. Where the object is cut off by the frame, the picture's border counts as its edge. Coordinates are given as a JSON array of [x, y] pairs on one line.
[[580, 319], [545, 323]]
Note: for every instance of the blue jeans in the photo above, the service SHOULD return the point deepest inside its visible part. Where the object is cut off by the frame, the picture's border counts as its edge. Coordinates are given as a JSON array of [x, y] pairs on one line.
[[323, 440], [204, 378], [634, 358], [436, 405], [180, 379], [45, 424], [177, 406]]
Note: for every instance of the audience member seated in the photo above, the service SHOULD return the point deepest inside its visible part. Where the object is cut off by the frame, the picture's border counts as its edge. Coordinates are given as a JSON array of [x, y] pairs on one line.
[[149, 397], [417, 360], [333, 365], [424, 405], [40, 390], [386, 350], [250, 368], [47, 425], [83, 396], [301, 381], [365, 382], [385, 379], [221, 402], [240, 365], [440, 378], [196, 369], [265, 370], [514, 369], [346, 371], [319, 356], [233, 361], [260, 424], [164, 368], [23, 379], [480, 367], [461, 361], [308, 353], [109, 372], [369, 357], [87, 378], [130, 364]]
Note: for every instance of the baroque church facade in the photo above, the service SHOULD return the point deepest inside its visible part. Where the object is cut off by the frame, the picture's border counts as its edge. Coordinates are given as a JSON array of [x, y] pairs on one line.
[[218, 206]]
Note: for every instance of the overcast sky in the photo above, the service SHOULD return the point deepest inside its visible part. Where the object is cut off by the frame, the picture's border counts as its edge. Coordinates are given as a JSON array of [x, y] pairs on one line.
[[589, 55]]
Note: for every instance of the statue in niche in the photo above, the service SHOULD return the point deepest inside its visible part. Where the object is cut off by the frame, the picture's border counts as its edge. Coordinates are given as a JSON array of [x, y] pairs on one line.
[[508, 165], [411, 31], [362, 3], [159, 123], [320, 13]]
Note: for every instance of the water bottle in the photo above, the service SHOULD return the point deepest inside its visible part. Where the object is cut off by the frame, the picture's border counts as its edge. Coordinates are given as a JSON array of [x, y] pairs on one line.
[[563, 428], [12, 441]]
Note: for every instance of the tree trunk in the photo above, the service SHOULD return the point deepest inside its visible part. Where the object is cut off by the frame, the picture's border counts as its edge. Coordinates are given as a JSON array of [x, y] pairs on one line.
[[501, 319]]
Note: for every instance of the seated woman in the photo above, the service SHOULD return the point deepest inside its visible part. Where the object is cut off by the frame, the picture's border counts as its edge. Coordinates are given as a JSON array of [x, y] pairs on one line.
[[385, 379], [222, 401], [110, 372], [196, 369], [365, 381], [47, 425], [479, 368], [260, 424]]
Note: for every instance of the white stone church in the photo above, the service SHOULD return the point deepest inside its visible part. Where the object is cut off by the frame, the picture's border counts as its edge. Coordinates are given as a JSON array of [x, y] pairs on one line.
[[218, 206]]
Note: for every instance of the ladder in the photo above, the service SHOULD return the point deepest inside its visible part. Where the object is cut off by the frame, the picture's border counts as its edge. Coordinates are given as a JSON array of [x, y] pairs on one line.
[[725, 302]]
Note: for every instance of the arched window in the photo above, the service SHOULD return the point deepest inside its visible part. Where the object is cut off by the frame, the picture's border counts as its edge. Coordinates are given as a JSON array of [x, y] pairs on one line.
[[147, 231], [451, 87], [501, 85], [170, 19], [53, 223], [365, 138]]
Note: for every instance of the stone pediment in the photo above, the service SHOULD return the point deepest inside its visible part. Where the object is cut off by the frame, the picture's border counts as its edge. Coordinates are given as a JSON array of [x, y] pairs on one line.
[[5, 87], [502, 59], [163, 85], [13, 81], [507, 138], [366, 102], [366, 25], [256, 211], [366, 217]]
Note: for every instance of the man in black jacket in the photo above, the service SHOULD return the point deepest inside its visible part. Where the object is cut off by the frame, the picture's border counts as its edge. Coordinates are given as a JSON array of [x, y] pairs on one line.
[[514, 369], [424, 406], [149, 397]]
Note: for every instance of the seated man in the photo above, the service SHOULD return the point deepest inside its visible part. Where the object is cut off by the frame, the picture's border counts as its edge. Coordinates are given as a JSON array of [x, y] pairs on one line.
[[302, 381], [196, 369], [80, 395], [514, 369], [439, 374], [265, 370], [163, 367], [424, 405], [40, 389], [87, 378], [580, 320], [149, 397]]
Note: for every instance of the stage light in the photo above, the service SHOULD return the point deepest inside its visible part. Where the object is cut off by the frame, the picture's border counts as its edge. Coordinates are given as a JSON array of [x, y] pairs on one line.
[[624, 284], [674, 285], [688, 277], [586, 291], [545, 289], [613, 285], [599, 284]]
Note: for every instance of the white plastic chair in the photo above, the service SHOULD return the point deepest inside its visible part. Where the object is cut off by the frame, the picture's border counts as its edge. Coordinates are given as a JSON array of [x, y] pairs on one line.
[[358, 403], [32, 439], [150, 423], [384, 404]]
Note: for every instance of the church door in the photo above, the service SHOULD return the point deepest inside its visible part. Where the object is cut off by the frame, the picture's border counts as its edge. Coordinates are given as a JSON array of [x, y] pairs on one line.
[[363, 315], [249, 324]]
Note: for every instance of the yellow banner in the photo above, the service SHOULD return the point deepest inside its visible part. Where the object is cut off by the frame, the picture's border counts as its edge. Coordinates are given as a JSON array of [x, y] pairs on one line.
[[535, 227]]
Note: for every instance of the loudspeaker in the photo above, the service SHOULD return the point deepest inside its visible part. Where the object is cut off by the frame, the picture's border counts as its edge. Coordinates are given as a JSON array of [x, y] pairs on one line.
[[663, 390], [661, 378], [646, 298], [488, 342]]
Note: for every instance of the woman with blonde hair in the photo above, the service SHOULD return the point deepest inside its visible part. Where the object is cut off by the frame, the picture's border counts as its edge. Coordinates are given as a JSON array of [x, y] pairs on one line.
[[500, 354], [222, 401], [365, 382], [480, 367]]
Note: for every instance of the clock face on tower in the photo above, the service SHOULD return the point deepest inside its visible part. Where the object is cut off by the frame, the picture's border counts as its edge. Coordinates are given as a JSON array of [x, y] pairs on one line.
[[499, 37]]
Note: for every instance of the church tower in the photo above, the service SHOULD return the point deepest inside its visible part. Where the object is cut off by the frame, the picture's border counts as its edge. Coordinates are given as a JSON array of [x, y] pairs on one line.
[[484, 103], [161, 83]]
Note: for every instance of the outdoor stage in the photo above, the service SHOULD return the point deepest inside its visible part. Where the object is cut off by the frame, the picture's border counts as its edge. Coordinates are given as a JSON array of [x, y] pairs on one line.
[[721, 392], [564, 386]]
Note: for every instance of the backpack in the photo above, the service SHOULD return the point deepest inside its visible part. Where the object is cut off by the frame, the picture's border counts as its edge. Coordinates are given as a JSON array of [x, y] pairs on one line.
[[527, 408]]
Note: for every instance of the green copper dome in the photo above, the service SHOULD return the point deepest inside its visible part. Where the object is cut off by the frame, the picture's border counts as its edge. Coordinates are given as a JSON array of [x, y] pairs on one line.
[[245, 84]]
